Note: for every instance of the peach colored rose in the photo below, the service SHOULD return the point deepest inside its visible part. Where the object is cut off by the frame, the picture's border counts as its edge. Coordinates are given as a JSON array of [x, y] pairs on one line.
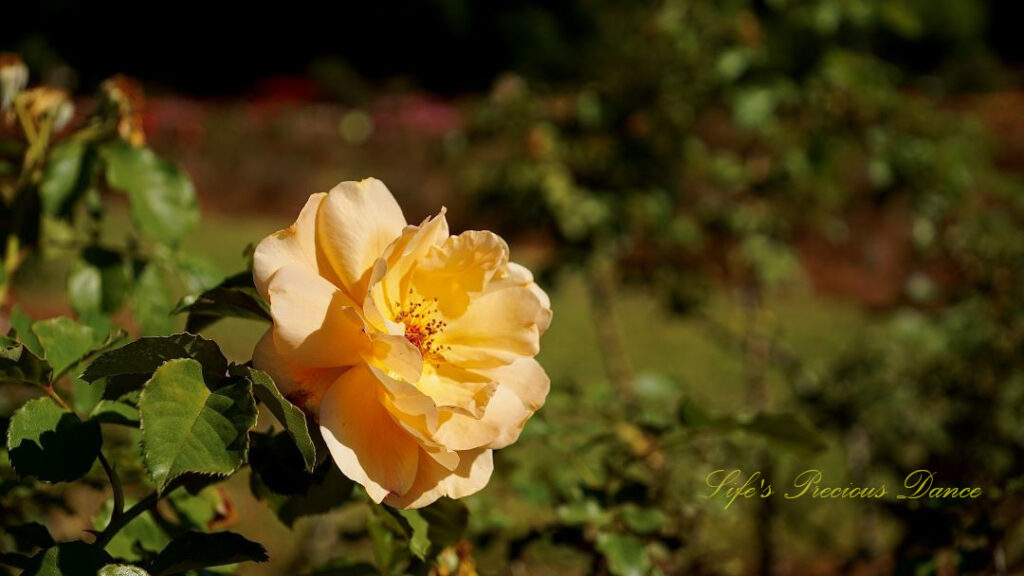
[[413, 348]]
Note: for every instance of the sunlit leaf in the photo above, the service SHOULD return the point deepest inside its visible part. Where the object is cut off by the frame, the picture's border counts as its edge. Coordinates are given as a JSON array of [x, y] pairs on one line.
[[64, 341], [190, 425]]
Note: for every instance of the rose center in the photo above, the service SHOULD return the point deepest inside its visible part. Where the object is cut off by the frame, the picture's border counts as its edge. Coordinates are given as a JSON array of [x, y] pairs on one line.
[[423, 325]]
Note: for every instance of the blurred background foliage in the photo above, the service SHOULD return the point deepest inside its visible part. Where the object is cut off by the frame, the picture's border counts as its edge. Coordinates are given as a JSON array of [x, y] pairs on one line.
[[779, 235]]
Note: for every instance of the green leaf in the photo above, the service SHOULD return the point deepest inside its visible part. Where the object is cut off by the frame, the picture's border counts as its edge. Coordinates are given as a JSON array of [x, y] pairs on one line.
[[448, 520], [419, 536], [194, 550], [197, 273], [51, 443], [235, 297], [152, 302], [30, 536], [625, 554], [67, 175], [197, 511], [440, 525], [643, 520], [788, 429], [85, 396], [19, 363], [114, 412], [98, 282], [64, 342], [127, 368], [291, 417], [68, 559], [21, 322], [122, 570], [328, 489], [584, 512], [163, 201], [189, 427]]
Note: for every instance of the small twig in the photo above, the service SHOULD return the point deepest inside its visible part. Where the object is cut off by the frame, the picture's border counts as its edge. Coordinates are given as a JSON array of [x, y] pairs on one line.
[[56, 397], [115, 485], [116, 524]]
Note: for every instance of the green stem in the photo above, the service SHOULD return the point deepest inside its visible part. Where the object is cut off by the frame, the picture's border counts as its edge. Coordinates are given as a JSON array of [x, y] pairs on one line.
[[115, 485], [116, 524], [52, 393]]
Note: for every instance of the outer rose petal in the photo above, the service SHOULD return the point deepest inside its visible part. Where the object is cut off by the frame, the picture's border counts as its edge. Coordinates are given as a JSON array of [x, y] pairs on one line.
[[301, 385], [527, 380], [295, 246], [434, 481], [498, 327], [518, 275], [366, 444], [315, 323], [356, 223], [521, 390]]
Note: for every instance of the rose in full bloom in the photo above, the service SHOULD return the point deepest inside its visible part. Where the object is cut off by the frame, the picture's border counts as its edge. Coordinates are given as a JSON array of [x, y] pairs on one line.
[[413, 348]]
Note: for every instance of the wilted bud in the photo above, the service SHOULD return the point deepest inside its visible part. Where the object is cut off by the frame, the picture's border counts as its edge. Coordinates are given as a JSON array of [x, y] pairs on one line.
[[46, 103], [125, 96], [13, 78]]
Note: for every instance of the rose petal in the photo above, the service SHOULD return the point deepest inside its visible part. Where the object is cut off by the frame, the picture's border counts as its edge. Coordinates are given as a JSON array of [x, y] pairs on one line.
[[461, 266], [366, 444], [356, 223], [397, 355], [434, 481], [295, 246], [302, 386], [521, 388], [498, 327], [315, 323]]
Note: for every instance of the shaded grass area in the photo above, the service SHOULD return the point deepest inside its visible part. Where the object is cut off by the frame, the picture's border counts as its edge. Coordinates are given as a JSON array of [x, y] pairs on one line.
[[704, 367]]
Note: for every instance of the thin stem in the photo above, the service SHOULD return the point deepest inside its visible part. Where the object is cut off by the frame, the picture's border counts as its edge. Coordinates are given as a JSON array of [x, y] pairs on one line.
[[115, 485], [116, 524], [56, 397]]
